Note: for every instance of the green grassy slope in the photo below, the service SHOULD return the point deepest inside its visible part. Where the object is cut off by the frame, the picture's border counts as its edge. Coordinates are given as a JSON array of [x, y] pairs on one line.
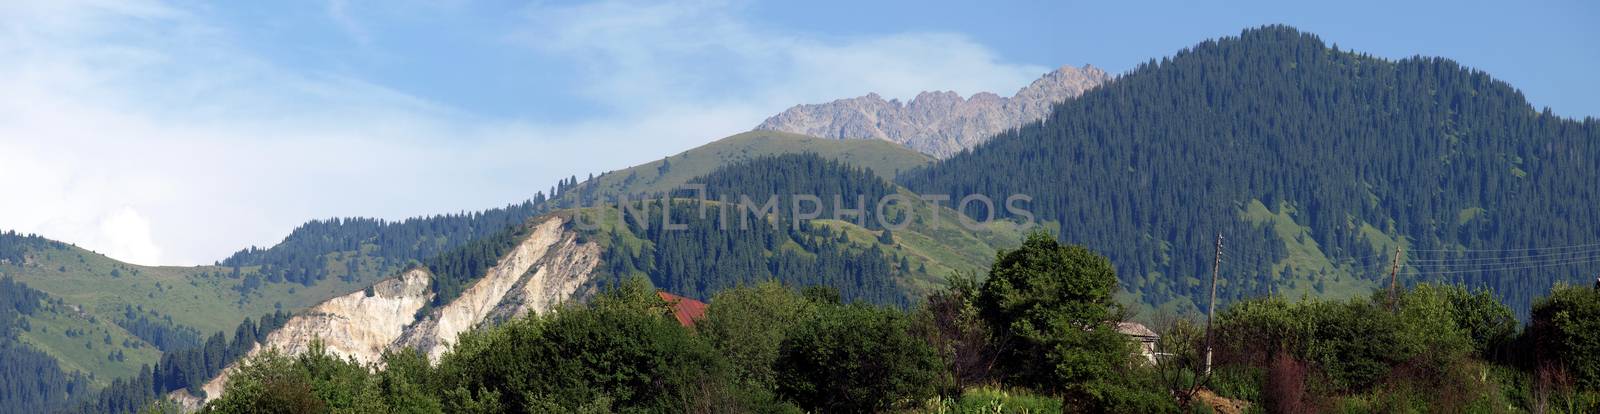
[[934, 253], [94, 289], [1310, 271], [87, 343], [884, 158]]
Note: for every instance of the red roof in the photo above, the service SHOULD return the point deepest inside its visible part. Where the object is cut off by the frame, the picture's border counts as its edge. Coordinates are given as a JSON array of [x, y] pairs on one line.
[[686, 310]]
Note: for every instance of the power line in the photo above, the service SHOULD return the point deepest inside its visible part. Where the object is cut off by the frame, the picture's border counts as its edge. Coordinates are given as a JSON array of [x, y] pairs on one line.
[[1504, 258], [1575, 246], [1501, 269]]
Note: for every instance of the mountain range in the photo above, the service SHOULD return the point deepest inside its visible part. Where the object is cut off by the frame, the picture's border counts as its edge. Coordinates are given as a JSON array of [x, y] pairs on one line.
[[939, 123], [1303, 167]]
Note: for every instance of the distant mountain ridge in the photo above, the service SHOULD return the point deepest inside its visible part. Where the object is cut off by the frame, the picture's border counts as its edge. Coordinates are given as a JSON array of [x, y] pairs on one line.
[[937, 123]]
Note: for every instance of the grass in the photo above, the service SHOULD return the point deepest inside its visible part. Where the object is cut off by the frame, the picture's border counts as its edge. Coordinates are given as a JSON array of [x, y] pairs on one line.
[[886, 159], [992, 399], [47, 332], [200, 297], [1467, 214], [1308, 263], [942, 250]]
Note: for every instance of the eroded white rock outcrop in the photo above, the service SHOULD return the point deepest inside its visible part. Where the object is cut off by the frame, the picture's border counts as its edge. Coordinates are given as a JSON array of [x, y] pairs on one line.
[[541, 272]]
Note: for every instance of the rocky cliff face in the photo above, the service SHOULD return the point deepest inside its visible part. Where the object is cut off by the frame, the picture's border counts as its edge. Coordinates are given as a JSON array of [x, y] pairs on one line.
[[937, 123], [357, 325], [544, 270], [538, 274]]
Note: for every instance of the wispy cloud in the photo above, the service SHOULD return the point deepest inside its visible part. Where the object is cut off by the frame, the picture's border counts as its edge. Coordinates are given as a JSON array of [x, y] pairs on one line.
[[144, 130], [645, 53]]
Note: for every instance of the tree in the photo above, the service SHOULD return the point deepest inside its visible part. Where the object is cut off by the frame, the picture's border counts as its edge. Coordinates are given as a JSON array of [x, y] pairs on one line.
[[268, 383], [1488, 323], [622, 352], [1565, 331], [1052, 305], [856, 358], [949, 321], [747, 325]]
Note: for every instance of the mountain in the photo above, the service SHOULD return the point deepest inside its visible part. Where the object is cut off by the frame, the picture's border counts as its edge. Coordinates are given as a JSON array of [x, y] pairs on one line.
[[1315, 164], [545, 265], [657, 177], [151, 311], [937, 123], [567, 255], [106, 318], [364, 285]]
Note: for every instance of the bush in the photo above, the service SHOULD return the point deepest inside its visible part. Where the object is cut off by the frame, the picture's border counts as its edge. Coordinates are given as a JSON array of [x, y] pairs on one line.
[[949, 321], [856, 358], [1566, 333], [621, 352], [748, 324], [1488, 324]]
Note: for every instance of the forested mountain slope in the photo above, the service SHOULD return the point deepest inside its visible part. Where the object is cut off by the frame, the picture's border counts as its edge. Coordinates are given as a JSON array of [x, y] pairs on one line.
[[656, 177], [104, 319], [363, 249], [1315, 163], [853, 252]]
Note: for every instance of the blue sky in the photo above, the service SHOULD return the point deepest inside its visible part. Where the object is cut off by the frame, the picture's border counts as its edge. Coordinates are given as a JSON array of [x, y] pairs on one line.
[[174, 132]]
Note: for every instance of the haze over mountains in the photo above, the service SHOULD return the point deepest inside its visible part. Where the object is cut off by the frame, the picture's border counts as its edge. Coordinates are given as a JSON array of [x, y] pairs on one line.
[[938, 123]]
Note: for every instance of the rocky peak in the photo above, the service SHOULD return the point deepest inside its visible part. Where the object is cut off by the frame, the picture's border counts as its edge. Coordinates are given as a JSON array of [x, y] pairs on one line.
[[939, 123]]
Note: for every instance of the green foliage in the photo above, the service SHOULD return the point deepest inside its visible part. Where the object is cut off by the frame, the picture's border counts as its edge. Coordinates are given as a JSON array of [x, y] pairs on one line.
[[747, 325], [856, 358], [951, 323], [1003, 401], [621, 352], [715, 251], [312, 382], [30, 380], [885, 159], [1425, 352], [1488, 323], [1052, 303], [456, 269], [386, 247], [834, 183], [1150, 167], [1566, 334]]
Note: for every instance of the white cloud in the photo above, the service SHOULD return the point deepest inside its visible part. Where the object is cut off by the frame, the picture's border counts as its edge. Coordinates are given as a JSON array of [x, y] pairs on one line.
[[141, 130], [642, 54], [127, 235]]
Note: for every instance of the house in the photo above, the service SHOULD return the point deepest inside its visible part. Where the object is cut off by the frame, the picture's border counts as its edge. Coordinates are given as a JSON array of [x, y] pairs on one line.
[[685, 309], [1145, 337]]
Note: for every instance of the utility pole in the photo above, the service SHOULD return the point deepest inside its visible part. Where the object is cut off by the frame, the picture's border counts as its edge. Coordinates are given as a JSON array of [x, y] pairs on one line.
[[1216, 268], [1394, 275]]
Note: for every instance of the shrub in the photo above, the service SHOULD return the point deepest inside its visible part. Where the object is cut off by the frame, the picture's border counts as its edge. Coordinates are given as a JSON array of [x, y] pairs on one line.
[[856, 358], [1566, 333], [620, 352], [748, 324]]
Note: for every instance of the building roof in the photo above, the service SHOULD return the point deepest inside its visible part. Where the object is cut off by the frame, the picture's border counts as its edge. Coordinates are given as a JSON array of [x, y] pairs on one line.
[[685, 309], [1136, 329]]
